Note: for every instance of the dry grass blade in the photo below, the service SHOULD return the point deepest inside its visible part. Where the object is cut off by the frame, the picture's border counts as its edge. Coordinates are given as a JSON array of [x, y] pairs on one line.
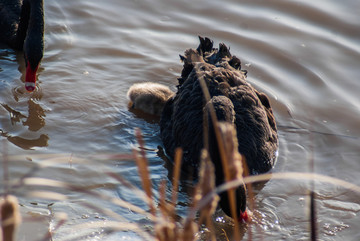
[[177, 170], [265, 177], [312, 209], [48, 195], [203, 190], [142, 164], [165, 228], [190, 230], [56, 184], [166, 231], [289, 176], [163, 205], [233, 162], [224, 157], [205, 186], [125, 183]]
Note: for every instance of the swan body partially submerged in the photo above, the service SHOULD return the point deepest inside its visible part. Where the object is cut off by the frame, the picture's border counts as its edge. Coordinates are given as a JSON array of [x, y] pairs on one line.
[[182, 118], [189, 116]]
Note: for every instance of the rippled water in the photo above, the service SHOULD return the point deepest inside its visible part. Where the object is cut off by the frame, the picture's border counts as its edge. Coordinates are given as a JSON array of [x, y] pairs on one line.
[[304, 54]]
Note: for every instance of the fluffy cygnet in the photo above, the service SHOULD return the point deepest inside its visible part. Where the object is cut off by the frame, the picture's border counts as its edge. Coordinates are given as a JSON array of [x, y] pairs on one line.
[[149, 97]]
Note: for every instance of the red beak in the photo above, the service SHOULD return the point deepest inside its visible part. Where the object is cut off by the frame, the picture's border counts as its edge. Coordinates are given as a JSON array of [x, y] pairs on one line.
[[244, 217], [30, 78]]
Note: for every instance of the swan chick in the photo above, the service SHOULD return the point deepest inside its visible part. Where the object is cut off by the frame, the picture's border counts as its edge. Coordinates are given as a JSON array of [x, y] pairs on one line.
[[149, 97]]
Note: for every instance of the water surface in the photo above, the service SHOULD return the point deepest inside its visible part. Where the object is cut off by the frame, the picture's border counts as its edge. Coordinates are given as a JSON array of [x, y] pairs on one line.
[[304, 55]]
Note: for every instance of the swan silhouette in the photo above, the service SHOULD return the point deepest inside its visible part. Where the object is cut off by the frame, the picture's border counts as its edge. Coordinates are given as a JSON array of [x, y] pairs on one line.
[[234, 102], [22, 28]]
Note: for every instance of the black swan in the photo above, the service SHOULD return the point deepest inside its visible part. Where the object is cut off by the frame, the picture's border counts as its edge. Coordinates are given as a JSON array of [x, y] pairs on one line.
[[235, 102], [22, 28]]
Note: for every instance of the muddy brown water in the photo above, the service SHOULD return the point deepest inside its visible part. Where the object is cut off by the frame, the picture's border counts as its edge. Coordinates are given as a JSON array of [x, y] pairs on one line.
[[304, 55]]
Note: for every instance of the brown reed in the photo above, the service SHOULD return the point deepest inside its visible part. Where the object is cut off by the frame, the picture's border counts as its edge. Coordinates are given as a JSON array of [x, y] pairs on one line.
[[205, 186], [223, 154], [190, 227], [165, 226], [141, 162], [312, 210], [10, 217]]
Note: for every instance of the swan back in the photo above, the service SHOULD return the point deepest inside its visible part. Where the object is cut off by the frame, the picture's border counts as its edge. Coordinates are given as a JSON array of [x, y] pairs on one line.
[[181, 123]]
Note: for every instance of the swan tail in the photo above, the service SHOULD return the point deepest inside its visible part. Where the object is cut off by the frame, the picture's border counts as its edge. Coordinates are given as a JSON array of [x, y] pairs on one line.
[[206, 53]]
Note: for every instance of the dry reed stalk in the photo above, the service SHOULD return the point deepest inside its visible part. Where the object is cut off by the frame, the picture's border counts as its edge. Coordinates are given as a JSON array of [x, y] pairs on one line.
[[205, 200], [168, 211], [225, 161], [205, 186], [313, 224], [224, 232], [190, 230], [10, 217], [312, 209], [234, 165], [290, 176], [30, 181], [165, 211], [165, 227], [177, 170], [56, 184], [142, 163], [250, 191], [166, 231], [224, 157]]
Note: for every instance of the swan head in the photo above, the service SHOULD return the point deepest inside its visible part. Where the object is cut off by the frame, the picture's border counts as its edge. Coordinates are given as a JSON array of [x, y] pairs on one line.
[[240, 203]]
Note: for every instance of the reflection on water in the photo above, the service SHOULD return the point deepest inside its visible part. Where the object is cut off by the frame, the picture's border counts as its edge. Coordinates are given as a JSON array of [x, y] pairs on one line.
[[15, 116], [303, 55], [34, 120], [27, 144]]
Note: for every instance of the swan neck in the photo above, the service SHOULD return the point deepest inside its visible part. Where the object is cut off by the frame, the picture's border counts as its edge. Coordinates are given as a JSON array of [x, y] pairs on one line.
[[36, 18], [31, 22]]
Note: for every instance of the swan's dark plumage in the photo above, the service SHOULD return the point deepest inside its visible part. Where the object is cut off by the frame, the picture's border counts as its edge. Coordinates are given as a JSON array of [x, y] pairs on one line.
[[22, 28], [181, 122]]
